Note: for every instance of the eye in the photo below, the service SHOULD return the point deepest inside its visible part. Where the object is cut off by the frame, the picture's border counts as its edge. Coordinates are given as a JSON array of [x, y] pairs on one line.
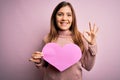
[[59, 14], [69, 14]]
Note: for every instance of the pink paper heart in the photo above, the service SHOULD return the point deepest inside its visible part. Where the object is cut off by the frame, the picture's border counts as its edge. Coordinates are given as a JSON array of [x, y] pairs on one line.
[[61, 57]]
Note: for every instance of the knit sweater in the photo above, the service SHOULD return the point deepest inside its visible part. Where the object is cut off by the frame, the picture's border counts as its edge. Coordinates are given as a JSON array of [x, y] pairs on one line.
[[74, 72]]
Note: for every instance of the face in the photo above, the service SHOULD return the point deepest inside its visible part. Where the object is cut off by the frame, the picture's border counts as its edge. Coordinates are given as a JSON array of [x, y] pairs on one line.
[[64, 18]]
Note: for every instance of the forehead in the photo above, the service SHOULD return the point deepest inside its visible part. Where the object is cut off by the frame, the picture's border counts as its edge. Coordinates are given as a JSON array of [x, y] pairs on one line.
[[65, 9]]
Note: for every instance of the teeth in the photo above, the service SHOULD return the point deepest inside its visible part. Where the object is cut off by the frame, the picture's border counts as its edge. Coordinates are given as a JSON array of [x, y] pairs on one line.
[[63, 23]]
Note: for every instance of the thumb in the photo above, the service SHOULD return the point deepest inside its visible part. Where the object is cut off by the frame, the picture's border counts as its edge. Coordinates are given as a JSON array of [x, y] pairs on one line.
[[86, 36]]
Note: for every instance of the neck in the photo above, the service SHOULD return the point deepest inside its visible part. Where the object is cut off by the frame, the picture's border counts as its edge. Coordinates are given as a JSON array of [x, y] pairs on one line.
[[65, 32]]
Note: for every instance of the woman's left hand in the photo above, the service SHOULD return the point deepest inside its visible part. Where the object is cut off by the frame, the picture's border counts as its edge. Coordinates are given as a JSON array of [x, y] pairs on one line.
[[90, 36]]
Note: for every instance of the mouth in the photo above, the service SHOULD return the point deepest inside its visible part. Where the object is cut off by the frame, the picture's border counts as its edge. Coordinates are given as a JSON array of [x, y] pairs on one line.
[[64, 23]]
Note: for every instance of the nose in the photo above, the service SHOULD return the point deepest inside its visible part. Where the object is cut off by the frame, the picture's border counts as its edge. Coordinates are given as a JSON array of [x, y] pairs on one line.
[[64, 17]]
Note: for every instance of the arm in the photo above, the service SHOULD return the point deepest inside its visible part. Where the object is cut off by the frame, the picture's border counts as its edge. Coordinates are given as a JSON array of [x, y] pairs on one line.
[[89, 55], [90, 47], [42, 62], [37, 57]]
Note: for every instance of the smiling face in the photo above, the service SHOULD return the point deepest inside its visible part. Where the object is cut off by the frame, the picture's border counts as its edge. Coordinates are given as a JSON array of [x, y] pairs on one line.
[[64, 18]]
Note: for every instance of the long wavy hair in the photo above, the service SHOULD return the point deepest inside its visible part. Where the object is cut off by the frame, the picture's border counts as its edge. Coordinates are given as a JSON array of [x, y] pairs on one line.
[[53, 34]]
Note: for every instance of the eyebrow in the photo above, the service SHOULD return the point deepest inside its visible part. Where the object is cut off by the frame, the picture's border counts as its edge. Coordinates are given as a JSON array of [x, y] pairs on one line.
[[66, 12]]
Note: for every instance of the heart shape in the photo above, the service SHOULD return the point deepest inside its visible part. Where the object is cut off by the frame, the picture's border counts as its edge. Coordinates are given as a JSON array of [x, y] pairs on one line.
[[61, 57]]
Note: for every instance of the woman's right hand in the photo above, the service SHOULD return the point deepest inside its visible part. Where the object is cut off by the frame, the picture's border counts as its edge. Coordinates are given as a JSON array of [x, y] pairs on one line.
[[36, 57]]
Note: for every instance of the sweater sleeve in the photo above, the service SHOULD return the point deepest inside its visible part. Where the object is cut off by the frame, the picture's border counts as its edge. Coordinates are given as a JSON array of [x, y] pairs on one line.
[[88, 56]]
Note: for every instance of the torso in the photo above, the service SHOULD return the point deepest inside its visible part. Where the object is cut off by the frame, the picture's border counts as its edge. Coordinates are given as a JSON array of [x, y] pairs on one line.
[[72, 73]]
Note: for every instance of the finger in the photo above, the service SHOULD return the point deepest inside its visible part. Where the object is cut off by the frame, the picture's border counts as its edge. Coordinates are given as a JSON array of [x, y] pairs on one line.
[[37, 52], [90, 26], [94, 27], [30, 59], [97, 30], [88, 33], [38, 56], [36, 61], [41, 54], [33, 60]]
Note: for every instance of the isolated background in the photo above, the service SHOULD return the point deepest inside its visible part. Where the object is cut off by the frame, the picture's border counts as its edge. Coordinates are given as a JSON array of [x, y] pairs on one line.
[[23, 23]]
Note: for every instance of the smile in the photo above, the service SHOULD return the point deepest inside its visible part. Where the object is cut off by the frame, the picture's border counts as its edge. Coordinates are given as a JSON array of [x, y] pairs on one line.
[[64, 23]]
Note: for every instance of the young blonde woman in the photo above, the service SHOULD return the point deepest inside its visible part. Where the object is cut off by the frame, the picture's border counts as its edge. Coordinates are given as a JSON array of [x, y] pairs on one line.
[[63, 30]]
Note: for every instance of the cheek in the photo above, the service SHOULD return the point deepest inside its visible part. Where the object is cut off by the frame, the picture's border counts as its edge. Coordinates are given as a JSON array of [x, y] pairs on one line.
[[58, 20], [71, 20]]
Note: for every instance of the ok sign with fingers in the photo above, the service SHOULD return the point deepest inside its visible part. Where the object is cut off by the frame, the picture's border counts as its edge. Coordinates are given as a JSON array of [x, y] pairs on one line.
[[90, 36]]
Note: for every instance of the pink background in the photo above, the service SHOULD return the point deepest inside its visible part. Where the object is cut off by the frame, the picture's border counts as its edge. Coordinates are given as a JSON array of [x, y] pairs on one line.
[[23, 23]]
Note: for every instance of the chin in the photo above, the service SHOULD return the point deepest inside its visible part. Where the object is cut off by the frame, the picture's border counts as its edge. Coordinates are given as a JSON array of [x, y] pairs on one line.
[[64, 29]]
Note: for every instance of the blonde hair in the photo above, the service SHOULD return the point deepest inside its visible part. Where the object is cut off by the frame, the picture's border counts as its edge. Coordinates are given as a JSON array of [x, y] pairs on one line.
[[53, 34]]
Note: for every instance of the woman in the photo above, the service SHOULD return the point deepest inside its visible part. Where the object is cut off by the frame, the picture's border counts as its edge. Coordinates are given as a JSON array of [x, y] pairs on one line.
[[63, 31]]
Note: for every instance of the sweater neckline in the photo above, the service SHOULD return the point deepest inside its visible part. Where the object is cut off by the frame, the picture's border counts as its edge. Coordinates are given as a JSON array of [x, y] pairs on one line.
[[66, 33]]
